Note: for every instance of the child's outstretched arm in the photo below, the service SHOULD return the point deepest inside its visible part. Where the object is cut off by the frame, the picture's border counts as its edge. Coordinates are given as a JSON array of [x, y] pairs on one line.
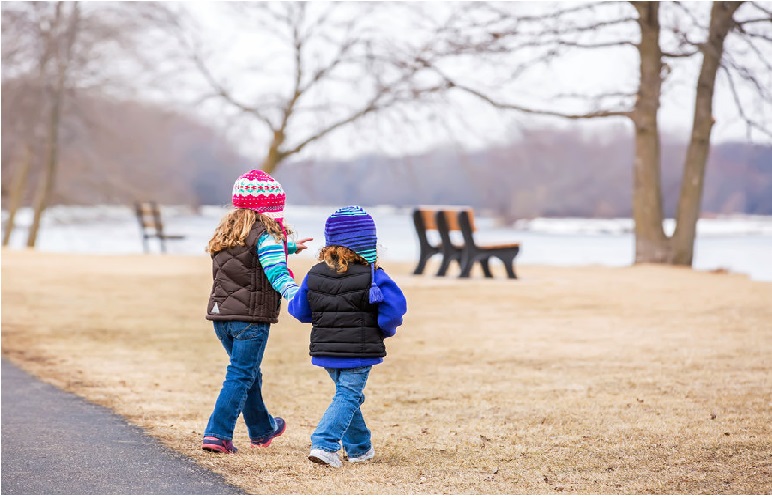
[[394, 305], [274, 263], [297, 247], [298, 305]]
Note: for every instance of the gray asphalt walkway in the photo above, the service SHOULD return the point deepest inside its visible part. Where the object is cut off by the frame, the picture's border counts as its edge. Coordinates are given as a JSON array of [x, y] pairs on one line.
[[56, 443]]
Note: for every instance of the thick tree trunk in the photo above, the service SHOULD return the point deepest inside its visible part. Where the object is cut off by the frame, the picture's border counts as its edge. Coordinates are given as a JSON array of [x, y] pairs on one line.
[[275, 155], [48, 178], [651, 244], [693, 181], [270, 163], [17, 193]]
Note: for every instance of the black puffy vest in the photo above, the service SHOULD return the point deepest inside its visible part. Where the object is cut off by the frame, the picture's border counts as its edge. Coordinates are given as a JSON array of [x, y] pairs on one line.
[[344, 321], [240, 289]]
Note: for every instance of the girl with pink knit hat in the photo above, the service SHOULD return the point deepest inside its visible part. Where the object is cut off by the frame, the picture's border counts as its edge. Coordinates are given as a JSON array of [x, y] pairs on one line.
[[249, 252]]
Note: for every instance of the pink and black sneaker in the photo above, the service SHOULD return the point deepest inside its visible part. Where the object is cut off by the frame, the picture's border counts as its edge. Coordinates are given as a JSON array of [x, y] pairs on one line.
[[265, 442], [218, 445]]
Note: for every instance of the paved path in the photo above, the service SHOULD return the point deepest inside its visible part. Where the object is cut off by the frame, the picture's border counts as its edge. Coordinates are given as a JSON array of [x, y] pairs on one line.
[[56, 443]]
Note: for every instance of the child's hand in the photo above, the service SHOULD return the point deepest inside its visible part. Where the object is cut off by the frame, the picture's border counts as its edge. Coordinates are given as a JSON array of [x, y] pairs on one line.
[[301, 244]]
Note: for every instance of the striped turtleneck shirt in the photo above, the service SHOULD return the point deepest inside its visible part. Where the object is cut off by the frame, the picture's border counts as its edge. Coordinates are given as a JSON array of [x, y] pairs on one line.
[[274, 263]]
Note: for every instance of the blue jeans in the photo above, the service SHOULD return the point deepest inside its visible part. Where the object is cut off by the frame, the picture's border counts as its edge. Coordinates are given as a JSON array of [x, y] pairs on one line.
[[241, 391], [343, 419]]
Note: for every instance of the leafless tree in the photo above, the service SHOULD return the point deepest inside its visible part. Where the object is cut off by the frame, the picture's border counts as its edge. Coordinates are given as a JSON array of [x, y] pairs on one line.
[[53, 51], [733, 39], [325, 66]]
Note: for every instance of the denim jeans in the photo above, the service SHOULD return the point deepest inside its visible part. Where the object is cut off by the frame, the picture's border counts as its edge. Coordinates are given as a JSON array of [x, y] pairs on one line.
[[241, 391], [343, 419]]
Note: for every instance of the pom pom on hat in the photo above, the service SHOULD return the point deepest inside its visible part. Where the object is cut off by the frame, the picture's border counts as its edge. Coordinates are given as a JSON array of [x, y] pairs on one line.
[[258, 191]]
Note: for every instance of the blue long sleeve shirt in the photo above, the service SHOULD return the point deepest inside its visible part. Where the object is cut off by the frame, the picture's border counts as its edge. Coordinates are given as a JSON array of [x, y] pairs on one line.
[[390, 313]]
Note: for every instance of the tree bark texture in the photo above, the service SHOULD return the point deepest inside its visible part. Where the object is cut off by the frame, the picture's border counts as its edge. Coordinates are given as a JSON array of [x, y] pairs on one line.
[[692, 184], [17, 193], [47, 180], [651, 244], [275, 155]]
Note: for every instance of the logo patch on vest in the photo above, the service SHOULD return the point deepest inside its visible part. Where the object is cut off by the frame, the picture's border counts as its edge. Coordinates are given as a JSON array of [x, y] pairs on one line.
[[216, 309]]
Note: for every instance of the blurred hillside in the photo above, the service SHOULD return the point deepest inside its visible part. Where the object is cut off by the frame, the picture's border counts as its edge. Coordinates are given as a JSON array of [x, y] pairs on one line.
[[116, 152], [544, 173]]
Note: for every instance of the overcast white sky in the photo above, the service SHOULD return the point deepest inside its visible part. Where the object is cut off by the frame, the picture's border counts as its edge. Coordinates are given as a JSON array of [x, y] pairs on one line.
[[472, 124]]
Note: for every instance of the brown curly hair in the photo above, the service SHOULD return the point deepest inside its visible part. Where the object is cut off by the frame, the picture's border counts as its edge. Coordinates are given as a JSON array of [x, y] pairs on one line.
[[338, 258], [235, 227]]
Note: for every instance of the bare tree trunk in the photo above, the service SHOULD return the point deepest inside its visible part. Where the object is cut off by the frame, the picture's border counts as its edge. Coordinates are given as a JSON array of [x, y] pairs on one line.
[[651, 244], [48, 179], [17, 193], [275, 156], [690, 200]]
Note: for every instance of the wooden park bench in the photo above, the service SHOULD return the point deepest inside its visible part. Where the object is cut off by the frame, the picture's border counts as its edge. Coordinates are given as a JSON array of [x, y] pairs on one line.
[[425, 221], [149, 217], [446, 220]]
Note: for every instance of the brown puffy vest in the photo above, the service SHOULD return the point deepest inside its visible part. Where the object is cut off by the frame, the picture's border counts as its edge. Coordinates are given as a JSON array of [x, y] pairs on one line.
[[241, 291]]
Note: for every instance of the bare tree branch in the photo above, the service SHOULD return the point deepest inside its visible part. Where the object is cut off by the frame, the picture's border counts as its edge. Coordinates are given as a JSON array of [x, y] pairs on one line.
[[385, 99], [763, 8], [560, 13], [221, 91], [765, 20], [747, 75], [682, 55], [543, 112], [750, 122], [764, 57], [596, 97], [760, 36], [688, 13]]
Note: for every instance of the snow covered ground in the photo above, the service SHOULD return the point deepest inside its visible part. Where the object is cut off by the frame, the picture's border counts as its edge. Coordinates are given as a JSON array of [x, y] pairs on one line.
[[740, 244]]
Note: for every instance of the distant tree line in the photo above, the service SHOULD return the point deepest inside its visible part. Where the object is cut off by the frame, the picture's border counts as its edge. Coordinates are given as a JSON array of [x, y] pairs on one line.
[[546, 172], [149, 153], [160, 154]]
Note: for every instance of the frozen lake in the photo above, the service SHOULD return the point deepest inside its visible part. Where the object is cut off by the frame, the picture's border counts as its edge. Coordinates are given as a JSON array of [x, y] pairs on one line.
[[738, 244]]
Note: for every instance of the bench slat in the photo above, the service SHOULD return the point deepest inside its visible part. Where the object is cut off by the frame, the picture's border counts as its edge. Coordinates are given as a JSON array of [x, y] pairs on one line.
[[429, 215]]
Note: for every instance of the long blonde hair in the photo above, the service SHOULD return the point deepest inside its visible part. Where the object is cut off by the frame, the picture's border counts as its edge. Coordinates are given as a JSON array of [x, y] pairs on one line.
[[338, 258], [235, 227]]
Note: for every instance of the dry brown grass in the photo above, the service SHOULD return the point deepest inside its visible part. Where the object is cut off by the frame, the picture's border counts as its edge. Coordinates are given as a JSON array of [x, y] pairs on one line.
[[571, 380]]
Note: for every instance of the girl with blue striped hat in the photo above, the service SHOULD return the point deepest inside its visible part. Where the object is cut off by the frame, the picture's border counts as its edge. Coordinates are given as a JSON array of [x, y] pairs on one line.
[[352, 305]]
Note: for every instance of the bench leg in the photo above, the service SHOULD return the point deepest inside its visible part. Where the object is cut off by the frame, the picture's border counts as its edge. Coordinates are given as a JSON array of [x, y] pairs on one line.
[[444, 266], [422, 259], [486, 269], [466, 266], [145, 245], [510, 267]]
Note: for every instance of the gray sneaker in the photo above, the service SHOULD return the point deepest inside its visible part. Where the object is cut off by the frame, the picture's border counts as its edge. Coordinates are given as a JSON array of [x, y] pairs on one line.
[[363, 458], [325, 458]]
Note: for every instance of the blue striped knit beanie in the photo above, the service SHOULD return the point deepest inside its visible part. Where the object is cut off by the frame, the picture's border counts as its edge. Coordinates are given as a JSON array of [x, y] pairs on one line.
[[353, 228]]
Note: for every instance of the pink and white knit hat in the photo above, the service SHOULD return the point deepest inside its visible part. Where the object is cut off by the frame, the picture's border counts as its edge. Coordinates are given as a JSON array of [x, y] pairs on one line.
[[258, 191]]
